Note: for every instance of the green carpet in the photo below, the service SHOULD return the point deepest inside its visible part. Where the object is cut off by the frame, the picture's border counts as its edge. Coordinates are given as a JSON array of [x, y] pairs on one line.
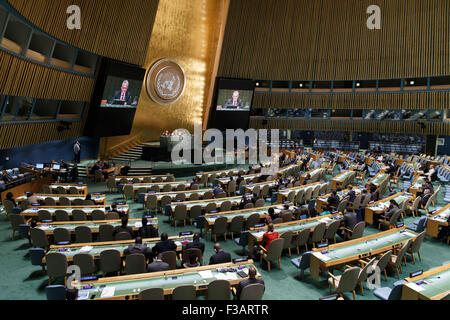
[[19, 280]]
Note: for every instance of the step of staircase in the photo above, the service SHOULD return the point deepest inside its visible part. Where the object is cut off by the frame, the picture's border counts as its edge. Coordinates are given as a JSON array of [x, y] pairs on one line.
[[129, 156]]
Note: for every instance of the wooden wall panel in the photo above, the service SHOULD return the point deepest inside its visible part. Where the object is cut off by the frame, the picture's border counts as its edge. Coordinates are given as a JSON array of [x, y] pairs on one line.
[[442, 129], [15, 135], [329, 40], [119, 29], [20, 77]]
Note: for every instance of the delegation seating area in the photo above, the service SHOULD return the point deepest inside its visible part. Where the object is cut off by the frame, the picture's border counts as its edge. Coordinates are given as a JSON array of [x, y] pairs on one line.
[[222, 216]]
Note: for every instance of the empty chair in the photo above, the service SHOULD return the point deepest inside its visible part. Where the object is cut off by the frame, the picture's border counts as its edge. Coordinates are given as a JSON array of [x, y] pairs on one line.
[[135, 263], [61, 236], [287, 236], [39, 238], [151, 203], [86, 263], [290, 196], [195, 186], [194, 196], [221, 195], [386, 293], [220, 227], [154, 188], [64, 201], [364, 272], [318, 233], [168, 188], [195, 212], [78, 202], [74, 190], [248, 205], [49, 201], [61, 215], [16, 220], [184, 292], [151, 294], [299, 197], [277, 220], [252, 221], [170, 257], [383, 262], [219, 290], [208, 195], [110, 261], [83, 234], [396, 260], [225, 206], [180, 197], [61, 190], [181, 187], [210, 207], [180, 214], [56, 265], [44, 216], [415, 246], [259, 203], [330, 233], [79, 215], [357, 231], [105, 232], [301, 240], [236, 225], [287, 216], [302, 263], [120, 236], [98, 215], [56, 292], [273, 253], [346, 282], [112, 216]]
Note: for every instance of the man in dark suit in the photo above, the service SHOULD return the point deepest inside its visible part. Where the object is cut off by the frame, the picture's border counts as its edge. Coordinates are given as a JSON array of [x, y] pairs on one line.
[[239, 179], [350, 220], [350, 194], [234, 101], [251, 280], [138, 247], [123, 228], [147, 230], [220, 256], [123, 94], [426, 196], [195, 244], [333, 201], [77, 151], [164, 245], [158, 265]]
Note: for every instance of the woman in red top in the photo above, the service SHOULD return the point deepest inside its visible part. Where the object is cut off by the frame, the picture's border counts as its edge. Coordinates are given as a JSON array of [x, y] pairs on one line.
[[269, 236]]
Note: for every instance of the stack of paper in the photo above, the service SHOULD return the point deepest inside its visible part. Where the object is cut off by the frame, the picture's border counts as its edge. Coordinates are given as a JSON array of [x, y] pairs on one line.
[[86, 249], [108, 292], [83, 295], [44, 227], [207, 274], [221, 276], [231, 276], [138, 224]]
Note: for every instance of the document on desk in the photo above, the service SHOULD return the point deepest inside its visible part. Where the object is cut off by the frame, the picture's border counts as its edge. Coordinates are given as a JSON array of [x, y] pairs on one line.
[[178, 243], [138, 224], [415, 287], [321, 256], [230, 276], [108, 292], [83, 295], [44, 227], [207, 274], [221, 276], [86, 249]]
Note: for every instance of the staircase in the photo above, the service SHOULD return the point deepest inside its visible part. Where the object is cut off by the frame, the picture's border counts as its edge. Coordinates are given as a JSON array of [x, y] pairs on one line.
[[129, 156]]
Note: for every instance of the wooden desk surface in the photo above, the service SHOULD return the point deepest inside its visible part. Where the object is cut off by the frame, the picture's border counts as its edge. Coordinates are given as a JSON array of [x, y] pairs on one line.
[[435, 286]]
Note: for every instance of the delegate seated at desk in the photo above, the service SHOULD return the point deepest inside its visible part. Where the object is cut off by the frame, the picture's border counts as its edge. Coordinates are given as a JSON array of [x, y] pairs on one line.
[[234, 101]]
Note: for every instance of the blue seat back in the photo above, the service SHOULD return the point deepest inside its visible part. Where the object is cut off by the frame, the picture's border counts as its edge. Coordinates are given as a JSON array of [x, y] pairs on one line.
[[396, 292], [305, 261], [55, 292], [36, 255], [243, 240]]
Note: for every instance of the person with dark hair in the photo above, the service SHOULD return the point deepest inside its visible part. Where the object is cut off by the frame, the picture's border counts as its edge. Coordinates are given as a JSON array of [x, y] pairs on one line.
[[333, 201], [374, 193], [350, 219], [119, 212], [220, 256], [424, 199], [195, 244], [77, 151], [272, 213], [89, 198], [32, 199], [239, 179], [269, 236], [393, 207], [147, 230], [164, 245], [123, 228], [251, 280], [16, 208], [138, 247], [158, 265]]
